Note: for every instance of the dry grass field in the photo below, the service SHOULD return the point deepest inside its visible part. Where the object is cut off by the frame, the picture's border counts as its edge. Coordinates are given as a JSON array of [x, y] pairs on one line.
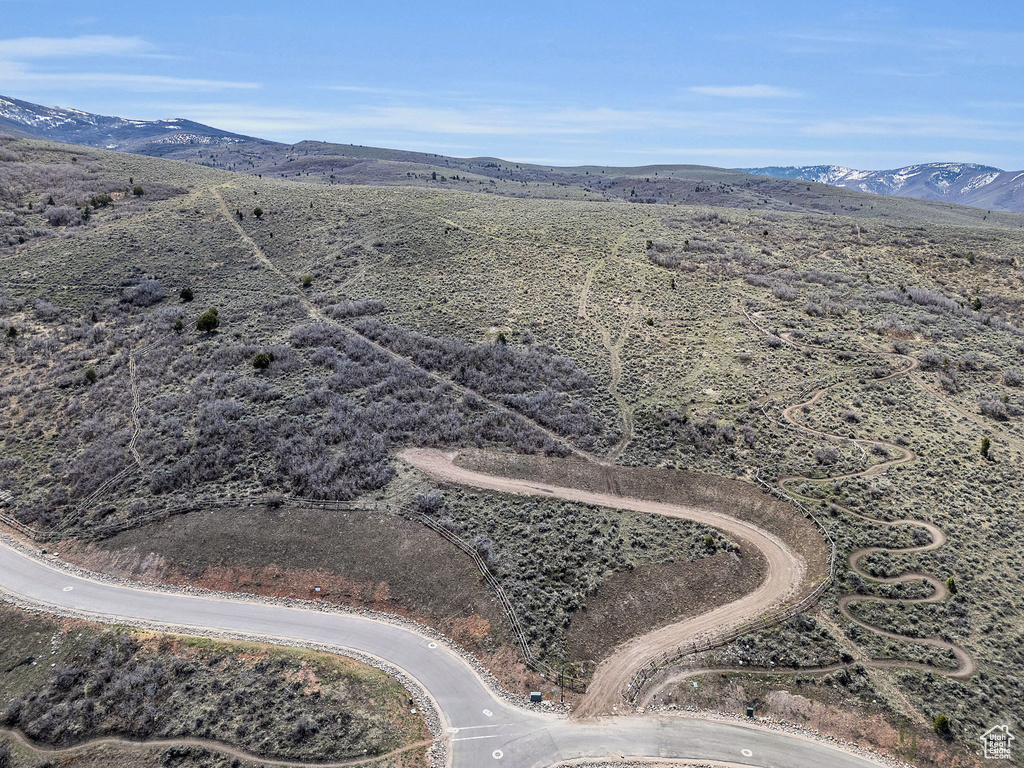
[[669, 335]]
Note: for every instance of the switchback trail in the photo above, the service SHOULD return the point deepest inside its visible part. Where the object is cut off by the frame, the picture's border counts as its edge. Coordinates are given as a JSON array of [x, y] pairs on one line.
[[907, 367], [610, 680]]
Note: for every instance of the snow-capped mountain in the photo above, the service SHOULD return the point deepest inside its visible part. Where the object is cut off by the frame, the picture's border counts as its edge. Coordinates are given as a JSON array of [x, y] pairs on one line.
[[964, 183], [77, 127], [980, 186]]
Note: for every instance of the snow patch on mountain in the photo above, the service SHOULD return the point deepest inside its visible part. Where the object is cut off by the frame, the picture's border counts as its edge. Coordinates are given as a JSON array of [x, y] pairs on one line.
[[79, 127], [980, 181], [964, 183]]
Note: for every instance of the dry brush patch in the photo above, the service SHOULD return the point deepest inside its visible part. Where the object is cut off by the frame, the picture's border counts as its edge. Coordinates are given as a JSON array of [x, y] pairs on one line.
[[554, 557], [737, 499], [317, 422], [71, 681]]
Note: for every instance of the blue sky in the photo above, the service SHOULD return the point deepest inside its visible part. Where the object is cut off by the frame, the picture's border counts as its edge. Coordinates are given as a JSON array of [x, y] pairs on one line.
[[721, 83]]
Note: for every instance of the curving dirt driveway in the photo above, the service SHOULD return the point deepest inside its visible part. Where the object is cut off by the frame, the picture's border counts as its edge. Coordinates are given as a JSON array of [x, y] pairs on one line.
[[784, 574]]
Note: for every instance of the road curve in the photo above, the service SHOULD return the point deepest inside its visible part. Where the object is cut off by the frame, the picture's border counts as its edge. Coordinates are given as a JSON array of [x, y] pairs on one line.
[[482, 729], [613, 675]]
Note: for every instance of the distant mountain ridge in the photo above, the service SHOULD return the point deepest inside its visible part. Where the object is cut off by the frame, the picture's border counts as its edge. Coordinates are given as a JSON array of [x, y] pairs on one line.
[[76, 127], [777, 187], [981, 186]]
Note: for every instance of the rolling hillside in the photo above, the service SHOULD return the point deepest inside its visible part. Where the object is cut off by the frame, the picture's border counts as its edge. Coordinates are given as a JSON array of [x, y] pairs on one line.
[[854, 348], [783, 189]]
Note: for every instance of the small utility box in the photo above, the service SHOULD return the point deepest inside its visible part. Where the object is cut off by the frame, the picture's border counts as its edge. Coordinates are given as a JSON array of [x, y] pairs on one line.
[[750, 711], [536, 697]]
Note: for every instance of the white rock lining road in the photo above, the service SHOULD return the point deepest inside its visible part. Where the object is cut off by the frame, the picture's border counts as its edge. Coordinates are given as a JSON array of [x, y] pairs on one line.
[[482, 728]]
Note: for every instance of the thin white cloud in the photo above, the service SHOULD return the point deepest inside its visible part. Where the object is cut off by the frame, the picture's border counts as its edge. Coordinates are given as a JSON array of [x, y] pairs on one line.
[[753, 157], [16, 54], [936, 126], [372, 90], [735, 152], [15, 74], [483, 120], [745, 91], [858, 37], [942, 47], [903, 72], [21, 48], [996, 104], [387, 93]]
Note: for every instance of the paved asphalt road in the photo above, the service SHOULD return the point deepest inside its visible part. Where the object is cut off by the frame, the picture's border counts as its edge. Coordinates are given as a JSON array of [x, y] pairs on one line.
[[484, 730]]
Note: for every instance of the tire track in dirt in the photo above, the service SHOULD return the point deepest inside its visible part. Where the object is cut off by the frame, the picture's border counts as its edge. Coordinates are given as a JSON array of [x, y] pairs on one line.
[[785, 572], [613, 348], [137, 465], [966, 665], [136, 407]]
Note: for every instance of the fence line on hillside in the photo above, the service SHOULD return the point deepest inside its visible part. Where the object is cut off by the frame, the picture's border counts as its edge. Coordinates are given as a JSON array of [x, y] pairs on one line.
[[110, 529], [766, 621], [530, 659]]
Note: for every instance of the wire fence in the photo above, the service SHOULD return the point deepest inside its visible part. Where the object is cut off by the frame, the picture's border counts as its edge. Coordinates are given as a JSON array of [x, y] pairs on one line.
[[766, 621], [567, 681], [530, 659]]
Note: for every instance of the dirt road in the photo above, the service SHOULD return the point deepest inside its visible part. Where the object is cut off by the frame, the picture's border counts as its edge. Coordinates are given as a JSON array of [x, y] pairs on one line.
[[784, 574]]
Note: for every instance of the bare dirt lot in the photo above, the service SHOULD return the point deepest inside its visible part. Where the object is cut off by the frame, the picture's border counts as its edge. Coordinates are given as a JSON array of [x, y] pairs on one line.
[[358, 558]]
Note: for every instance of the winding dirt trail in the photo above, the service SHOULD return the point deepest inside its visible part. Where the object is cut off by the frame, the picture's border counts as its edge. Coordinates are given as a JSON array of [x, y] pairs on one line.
[[785, 572], [966, 665], [211, 744], [785, 567], [613, 348], [316, 314]]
